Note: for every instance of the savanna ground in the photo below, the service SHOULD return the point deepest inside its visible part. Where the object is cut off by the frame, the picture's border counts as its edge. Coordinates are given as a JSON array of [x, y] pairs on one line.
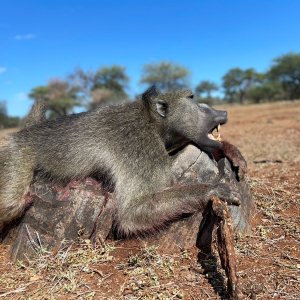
[[268, 258]]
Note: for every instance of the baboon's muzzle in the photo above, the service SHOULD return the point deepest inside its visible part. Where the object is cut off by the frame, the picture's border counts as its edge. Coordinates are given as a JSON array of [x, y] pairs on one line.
[[213, 119]]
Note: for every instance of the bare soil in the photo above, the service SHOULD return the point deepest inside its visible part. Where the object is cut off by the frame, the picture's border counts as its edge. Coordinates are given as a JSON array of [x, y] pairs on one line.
[[268, 258]]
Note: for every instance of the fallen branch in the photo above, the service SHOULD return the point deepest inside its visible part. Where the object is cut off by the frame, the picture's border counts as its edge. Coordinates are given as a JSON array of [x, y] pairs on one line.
[[225, 242]]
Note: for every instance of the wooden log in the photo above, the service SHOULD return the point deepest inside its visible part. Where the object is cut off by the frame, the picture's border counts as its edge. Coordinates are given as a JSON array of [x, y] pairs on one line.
[[225, 243], [57, 215]]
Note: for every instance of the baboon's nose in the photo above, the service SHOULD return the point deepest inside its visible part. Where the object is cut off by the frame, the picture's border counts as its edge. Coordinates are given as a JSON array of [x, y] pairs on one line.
[[221, 117]]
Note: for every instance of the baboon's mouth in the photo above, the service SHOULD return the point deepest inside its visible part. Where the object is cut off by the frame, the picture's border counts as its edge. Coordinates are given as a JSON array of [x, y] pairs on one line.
[[214, 134]]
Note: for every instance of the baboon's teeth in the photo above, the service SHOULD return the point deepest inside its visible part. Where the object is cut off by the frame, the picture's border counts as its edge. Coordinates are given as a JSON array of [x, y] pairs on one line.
[[215, 138], [211, 136], [215, 135]]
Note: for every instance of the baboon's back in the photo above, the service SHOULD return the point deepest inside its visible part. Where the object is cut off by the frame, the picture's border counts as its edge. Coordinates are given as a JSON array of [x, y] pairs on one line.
[[119, 140]]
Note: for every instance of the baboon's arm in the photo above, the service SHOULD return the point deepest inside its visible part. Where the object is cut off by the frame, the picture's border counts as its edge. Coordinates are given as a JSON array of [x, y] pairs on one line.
[[234, 156], [150, 212]]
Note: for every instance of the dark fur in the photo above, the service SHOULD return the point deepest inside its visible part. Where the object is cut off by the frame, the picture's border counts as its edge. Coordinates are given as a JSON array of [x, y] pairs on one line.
[[126, 143]]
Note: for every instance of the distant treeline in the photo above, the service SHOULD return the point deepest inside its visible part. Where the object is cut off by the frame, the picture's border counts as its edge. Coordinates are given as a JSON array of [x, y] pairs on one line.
[[5, 120], [90, 89]]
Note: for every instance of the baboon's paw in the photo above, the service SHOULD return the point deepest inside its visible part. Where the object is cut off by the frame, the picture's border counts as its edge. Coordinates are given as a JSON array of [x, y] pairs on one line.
[[228, 193]]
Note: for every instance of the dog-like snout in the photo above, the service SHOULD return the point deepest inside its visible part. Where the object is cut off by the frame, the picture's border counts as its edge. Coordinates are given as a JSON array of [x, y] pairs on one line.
[[221, 116]]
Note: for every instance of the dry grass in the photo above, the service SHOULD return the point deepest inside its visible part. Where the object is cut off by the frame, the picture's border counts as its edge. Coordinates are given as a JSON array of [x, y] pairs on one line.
[[269, 258]]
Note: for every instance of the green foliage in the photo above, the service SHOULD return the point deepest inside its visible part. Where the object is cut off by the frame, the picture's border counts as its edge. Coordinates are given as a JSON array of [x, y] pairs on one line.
[[286, 70], [11, 122], [59, 96], [204, 90], [236, 83], [5, 120], [105, 86], [267, 91], [3, 114], [165, 75], [103, 96], [3, 111], [112, 78], [205, 87], [83, 81]]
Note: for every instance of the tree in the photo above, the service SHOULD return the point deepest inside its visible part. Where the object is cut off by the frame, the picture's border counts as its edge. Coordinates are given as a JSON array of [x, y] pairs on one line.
[[105, 86], [236, 82], [59, 96], [113, 78], [206, 87], [83, 81], [165, 75], [3, 114], [286, 70], [5, 120], [102, 97], [266, 91]]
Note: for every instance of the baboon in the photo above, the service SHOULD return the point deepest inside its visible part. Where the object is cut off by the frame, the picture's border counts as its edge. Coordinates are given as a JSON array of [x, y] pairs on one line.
[[36, 115], [129, 145]]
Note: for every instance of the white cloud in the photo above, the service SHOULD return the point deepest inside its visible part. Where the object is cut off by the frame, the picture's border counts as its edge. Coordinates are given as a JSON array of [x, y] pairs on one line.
[[28, 36], [2, 70]]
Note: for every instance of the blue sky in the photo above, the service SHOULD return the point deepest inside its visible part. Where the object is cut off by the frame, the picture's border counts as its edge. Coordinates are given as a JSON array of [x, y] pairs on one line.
[[40, 40]]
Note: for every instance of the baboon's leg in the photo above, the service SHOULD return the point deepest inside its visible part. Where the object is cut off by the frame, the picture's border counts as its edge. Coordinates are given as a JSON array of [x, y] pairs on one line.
[[16, 171], [150, 212]]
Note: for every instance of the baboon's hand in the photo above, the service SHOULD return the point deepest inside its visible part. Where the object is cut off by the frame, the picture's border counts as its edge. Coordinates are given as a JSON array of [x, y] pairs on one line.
[[228, 193], [236, 158]]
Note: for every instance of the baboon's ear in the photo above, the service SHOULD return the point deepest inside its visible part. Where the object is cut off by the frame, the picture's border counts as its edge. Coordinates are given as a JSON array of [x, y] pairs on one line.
[[162, 108], [152, 100]]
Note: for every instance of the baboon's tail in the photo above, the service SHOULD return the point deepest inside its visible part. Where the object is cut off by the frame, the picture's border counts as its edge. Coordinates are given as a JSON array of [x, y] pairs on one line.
[[36, 115], [16, 171]]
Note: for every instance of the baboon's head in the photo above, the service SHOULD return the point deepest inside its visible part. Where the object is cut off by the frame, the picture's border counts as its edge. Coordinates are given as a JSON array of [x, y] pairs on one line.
[[182, 119]]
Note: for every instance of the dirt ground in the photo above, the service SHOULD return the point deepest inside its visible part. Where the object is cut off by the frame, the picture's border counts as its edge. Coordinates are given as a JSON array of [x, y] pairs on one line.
[[268, 258]]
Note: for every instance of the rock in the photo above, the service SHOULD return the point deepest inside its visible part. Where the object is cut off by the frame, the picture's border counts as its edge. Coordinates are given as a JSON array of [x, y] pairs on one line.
[[194, 166], [58, 214]]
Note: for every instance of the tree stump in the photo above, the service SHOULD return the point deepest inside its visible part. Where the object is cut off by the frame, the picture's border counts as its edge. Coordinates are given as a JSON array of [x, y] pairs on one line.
[[56, 215]]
